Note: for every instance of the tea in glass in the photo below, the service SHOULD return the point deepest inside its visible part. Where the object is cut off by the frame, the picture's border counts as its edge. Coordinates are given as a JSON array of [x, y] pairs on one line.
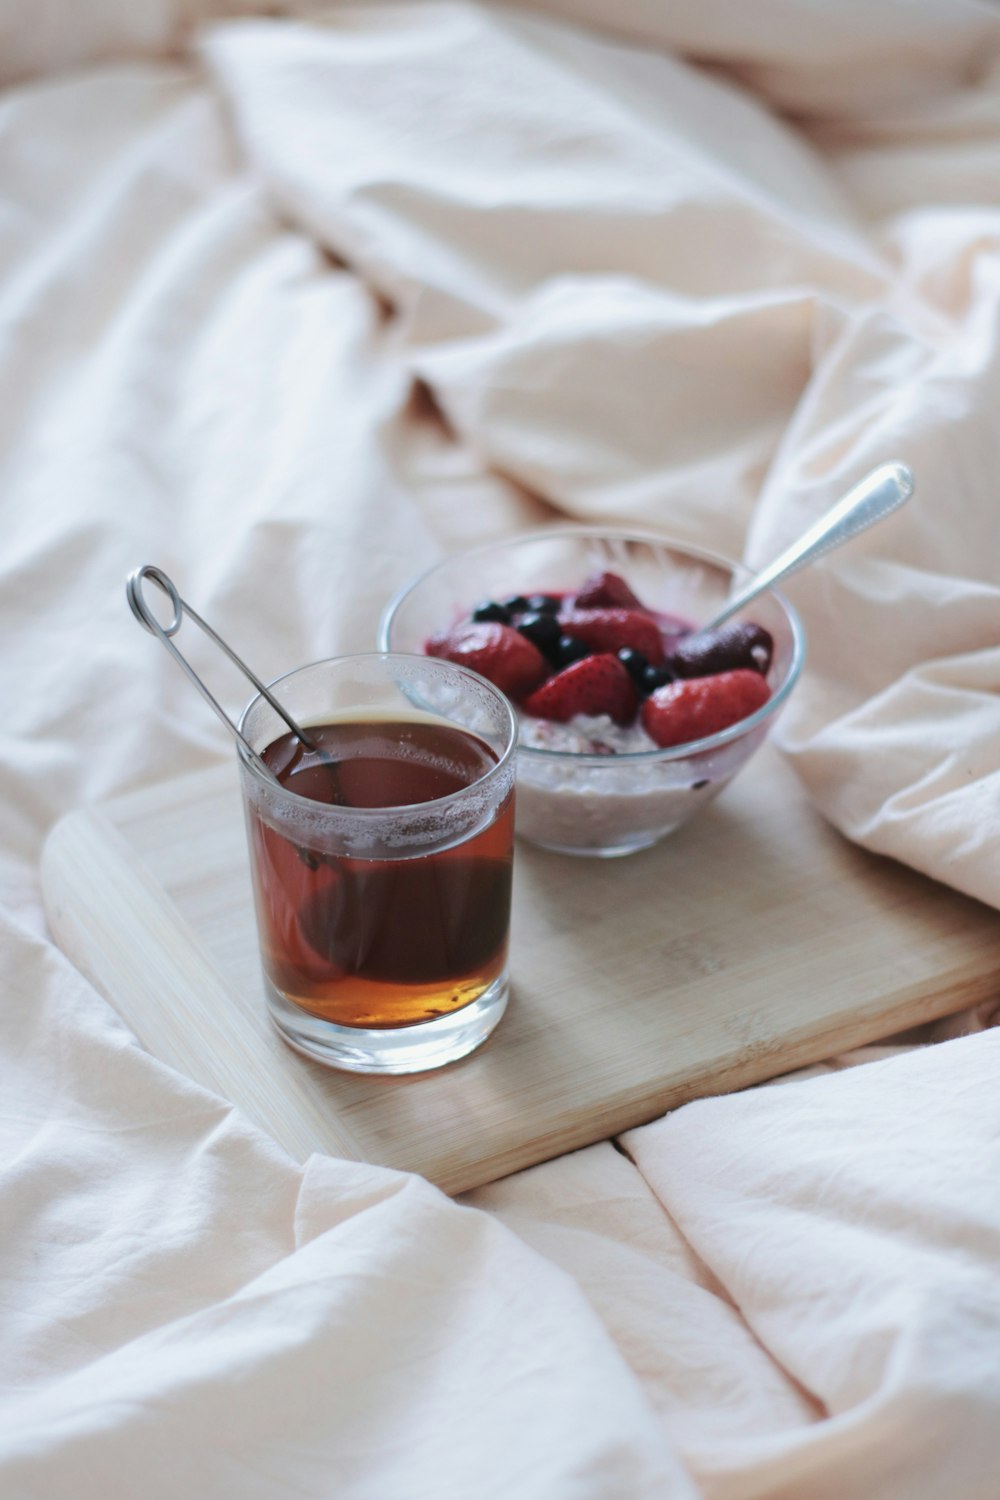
[[382, 859]]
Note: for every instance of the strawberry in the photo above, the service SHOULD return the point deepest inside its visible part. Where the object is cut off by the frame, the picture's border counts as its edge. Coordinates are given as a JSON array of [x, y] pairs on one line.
[[495, 651], [613, 629], [606, 591], [595, 685], [698, 706]]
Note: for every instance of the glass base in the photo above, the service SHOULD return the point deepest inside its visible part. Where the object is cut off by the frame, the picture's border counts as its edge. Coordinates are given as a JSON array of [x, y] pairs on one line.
[[401, 1049]]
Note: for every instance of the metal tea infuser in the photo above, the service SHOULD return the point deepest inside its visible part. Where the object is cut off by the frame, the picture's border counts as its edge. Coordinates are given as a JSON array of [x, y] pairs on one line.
[[165, 633]]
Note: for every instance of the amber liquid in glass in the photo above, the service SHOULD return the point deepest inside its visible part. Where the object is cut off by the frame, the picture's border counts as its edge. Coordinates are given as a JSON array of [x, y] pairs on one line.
[[383, 942]]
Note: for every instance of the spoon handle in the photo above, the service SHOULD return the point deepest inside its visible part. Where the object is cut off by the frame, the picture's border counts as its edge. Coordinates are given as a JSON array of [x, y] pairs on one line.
[[876, 496]]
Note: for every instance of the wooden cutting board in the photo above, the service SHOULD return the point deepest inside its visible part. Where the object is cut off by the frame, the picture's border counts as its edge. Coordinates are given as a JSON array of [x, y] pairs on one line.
[[753, 941]]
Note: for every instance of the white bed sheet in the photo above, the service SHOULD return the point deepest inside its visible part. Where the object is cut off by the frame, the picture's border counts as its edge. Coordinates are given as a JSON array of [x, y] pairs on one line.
[[292, 306]]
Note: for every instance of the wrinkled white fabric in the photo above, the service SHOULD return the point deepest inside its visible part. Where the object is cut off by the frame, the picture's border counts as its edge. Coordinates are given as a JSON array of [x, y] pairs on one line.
[[291, 307], [671, 313], [864, 1259]]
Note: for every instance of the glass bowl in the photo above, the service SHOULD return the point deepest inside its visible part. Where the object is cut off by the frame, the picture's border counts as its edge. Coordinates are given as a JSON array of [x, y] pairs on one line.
[[607, 805]]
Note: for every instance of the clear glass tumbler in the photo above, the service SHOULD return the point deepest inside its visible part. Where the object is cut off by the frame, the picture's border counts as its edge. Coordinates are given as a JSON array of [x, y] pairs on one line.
[[381, 858]]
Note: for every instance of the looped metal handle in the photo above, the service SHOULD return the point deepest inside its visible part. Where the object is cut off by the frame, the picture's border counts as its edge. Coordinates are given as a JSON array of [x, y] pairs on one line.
[[142, 611], [140, 608]]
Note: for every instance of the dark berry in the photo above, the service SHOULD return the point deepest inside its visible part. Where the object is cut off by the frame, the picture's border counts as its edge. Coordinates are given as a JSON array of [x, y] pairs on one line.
[[515, 605], [489, 611], [545, 604], [635, 664], [542, 630], [566, 651], [655, 677], [732, 647]]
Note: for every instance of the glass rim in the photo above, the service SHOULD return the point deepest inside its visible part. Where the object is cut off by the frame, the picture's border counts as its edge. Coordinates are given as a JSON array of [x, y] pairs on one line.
[[248, 759], [689, 748]]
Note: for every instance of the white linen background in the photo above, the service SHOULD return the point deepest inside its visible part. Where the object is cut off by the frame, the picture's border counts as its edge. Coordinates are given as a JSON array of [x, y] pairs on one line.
[[669, 266]]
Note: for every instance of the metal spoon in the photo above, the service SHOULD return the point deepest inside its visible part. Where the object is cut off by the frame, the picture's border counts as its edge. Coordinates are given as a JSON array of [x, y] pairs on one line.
[[877, 496]]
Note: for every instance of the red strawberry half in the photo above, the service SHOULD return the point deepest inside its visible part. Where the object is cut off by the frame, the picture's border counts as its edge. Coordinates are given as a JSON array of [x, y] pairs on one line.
[[613, 629], [692, 709], [497, 652], [606, 591], [595, 685]]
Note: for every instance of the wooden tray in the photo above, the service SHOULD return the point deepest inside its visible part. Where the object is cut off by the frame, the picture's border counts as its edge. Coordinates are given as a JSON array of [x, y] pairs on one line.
[[753, 941]]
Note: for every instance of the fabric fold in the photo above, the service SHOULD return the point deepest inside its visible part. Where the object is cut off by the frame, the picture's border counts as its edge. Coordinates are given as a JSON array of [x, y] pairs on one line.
[[719, 351]]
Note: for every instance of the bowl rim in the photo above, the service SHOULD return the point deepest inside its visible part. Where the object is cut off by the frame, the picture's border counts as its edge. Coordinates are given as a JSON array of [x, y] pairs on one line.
[[689, 748]]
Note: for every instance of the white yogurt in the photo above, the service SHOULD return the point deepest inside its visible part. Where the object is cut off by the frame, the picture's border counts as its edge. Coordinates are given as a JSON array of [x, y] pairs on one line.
[[612, 805]]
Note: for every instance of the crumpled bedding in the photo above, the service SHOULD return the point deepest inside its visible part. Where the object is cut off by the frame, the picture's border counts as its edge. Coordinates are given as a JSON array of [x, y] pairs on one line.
[[293, 304]]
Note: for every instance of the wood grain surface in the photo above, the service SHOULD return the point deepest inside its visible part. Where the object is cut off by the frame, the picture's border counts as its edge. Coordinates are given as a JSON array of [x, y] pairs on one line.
[[752, 941]]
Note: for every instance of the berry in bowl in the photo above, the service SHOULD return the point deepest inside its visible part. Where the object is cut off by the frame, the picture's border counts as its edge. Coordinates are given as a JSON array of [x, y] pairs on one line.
[[630, 720]]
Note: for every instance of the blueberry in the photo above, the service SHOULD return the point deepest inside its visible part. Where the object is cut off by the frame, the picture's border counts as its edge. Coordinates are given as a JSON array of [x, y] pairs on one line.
[[545, 604], [541, 630], [491, 610], [515, 605], [566, 651], [634, 663], [656, 677]]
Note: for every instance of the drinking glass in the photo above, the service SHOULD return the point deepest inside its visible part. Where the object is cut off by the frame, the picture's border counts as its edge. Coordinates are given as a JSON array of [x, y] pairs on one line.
[[381, 858]]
